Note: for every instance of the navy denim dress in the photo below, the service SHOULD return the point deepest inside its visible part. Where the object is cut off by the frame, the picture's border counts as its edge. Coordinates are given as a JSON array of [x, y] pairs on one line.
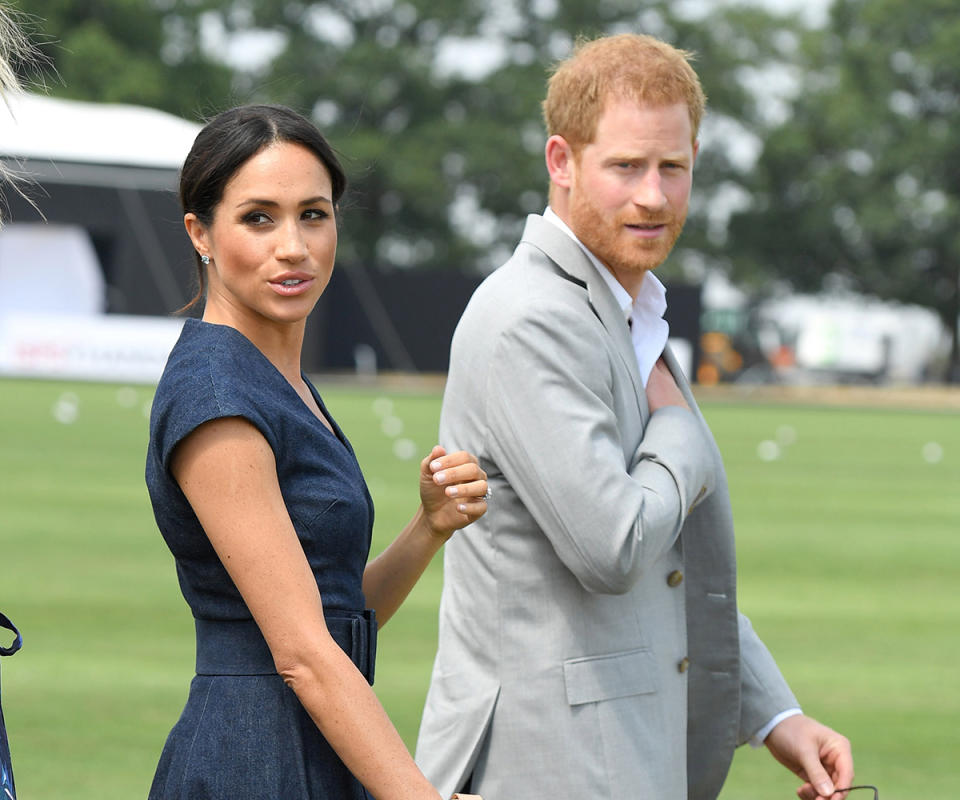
[[243, 733]]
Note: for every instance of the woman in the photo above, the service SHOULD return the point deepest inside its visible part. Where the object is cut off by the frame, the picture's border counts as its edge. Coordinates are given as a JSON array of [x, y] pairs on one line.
[[260, 498]]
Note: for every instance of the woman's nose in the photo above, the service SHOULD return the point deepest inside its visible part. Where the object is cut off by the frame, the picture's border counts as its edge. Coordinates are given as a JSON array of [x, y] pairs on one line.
[[291, 246]]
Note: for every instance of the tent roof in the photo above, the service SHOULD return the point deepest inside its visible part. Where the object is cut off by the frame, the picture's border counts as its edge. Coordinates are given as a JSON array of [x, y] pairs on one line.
[[54, 129]]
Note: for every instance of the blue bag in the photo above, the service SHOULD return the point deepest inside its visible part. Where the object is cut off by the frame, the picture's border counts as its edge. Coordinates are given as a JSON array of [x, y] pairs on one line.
[[7, 789]]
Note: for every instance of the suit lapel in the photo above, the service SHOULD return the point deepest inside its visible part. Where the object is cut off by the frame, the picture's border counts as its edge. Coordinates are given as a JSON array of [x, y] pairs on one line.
[[674, 366], [682, 383], [570, 258]]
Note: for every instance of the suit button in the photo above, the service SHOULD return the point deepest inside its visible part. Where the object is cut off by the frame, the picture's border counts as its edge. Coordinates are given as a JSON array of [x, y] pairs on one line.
[[697, 499], [675, 578], [683, 665]]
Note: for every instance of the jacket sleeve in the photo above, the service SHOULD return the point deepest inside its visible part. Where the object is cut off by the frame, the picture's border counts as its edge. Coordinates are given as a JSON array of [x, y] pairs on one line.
[[764, 692], [609, 508]]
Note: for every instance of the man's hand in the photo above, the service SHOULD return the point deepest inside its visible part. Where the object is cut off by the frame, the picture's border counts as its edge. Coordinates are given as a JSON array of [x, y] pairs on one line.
[[819, 755], [662, 389]]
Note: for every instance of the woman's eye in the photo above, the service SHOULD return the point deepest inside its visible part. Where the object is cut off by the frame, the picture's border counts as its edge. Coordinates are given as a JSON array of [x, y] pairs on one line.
[[315, 214], [256, 218]]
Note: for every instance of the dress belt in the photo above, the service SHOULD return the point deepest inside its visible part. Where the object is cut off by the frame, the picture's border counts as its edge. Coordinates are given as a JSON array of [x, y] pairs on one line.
[[236, 647]]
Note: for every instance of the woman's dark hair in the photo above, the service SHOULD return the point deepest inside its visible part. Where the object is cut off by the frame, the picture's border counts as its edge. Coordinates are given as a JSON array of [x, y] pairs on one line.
[[231, 139]]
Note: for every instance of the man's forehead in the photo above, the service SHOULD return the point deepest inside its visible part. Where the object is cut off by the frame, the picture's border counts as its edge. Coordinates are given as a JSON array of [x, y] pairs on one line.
[[661, 119]]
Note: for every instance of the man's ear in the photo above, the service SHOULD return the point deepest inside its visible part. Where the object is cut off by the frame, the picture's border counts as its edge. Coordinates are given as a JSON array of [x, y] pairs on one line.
[[197, 232], [560, 161]]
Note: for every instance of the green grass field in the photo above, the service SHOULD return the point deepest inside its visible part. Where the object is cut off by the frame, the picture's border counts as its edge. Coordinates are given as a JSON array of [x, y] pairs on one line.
[[849, 547]]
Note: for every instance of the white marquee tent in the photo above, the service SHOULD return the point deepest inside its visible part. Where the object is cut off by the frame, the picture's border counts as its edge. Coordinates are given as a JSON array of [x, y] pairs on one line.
[[56, 130], [104, 177]]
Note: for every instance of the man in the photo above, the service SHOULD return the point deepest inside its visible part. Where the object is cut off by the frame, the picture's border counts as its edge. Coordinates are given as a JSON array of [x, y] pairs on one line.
[[590, 643]]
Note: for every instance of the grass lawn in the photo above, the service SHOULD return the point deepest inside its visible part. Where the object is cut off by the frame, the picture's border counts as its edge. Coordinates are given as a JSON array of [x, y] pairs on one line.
[[849, 562]]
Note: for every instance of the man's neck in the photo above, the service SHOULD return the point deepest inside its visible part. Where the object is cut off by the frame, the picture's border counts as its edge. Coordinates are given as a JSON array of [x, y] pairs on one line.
[[635, 283]]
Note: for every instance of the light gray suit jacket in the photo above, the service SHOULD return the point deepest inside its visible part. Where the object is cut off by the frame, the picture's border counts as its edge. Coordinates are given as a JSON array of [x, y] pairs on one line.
[[590, 644]]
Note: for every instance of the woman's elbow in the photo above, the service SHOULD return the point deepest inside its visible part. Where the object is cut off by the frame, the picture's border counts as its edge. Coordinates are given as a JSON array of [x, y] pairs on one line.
[[307, 666], [294, 673]]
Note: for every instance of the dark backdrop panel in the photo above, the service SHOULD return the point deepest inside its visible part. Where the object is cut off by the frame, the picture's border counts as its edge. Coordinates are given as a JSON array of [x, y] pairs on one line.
[[683, 314], [423, 310], [138, 235]]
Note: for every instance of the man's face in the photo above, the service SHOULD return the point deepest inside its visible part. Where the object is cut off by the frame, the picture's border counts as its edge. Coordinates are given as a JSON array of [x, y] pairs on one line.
[[630, 187]]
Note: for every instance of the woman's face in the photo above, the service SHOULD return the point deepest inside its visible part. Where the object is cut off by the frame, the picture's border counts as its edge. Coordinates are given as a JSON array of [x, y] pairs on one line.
[[272, 241]]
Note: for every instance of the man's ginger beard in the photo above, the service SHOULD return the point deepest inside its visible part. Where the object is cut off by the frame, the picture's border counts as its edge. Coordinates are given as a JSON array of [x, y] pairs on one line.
[[611, 242]]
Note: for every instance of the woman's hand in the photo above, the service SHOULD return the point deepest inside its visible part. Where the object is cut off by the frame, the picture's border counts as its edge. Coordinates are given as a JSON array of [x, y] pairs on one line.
[[453, 490]]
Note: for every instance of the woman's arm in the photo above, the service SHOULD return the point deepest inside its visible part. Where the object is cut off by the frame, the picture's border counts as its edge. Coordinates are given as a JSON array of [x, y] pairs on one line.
[[452, 489], [227, 471]]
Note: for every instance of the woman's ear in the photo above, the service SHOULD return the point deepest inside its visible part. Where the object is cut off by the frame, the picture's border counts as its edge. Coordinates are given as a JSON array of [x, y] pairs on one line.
[[197, 232]]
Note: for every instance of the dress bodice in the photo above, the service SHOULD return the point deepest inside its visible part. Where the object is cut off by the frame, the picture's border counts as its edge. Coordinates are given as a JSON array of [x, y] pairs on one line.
[[213, 372]]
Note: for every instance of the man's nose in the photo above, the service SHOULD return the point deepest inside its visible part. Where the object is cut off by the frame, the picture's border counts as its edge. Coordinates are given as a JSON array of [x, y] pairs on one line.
[[649, 192]]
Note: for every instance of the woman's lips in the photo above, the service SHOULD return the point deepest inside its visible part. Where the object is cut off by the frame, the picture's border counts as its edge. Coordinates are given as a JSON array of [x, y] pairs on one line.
[[291, 285]]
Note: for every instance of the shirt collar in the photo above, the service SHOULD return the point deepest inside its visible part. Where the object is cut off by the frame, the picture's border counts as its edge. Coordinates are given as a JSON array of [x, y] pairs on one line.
[[652, 297]]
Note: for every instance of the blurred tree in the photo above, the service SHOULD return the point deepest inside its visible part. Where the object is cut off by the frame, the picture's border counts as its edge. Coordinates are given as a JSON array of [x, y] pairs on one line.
[[127, 51], [862, 181], [434, 106]]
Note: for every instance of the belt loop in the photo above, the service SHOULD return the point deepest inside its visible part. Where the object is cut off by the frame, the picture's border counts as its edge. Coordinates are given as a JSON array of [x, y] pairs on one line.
[[370, 617]]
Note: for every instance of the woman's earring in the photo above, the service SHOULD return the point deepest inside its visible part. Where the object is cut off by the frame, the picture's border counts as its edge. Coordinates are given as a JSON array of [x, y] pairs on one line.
[[204, 259]]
